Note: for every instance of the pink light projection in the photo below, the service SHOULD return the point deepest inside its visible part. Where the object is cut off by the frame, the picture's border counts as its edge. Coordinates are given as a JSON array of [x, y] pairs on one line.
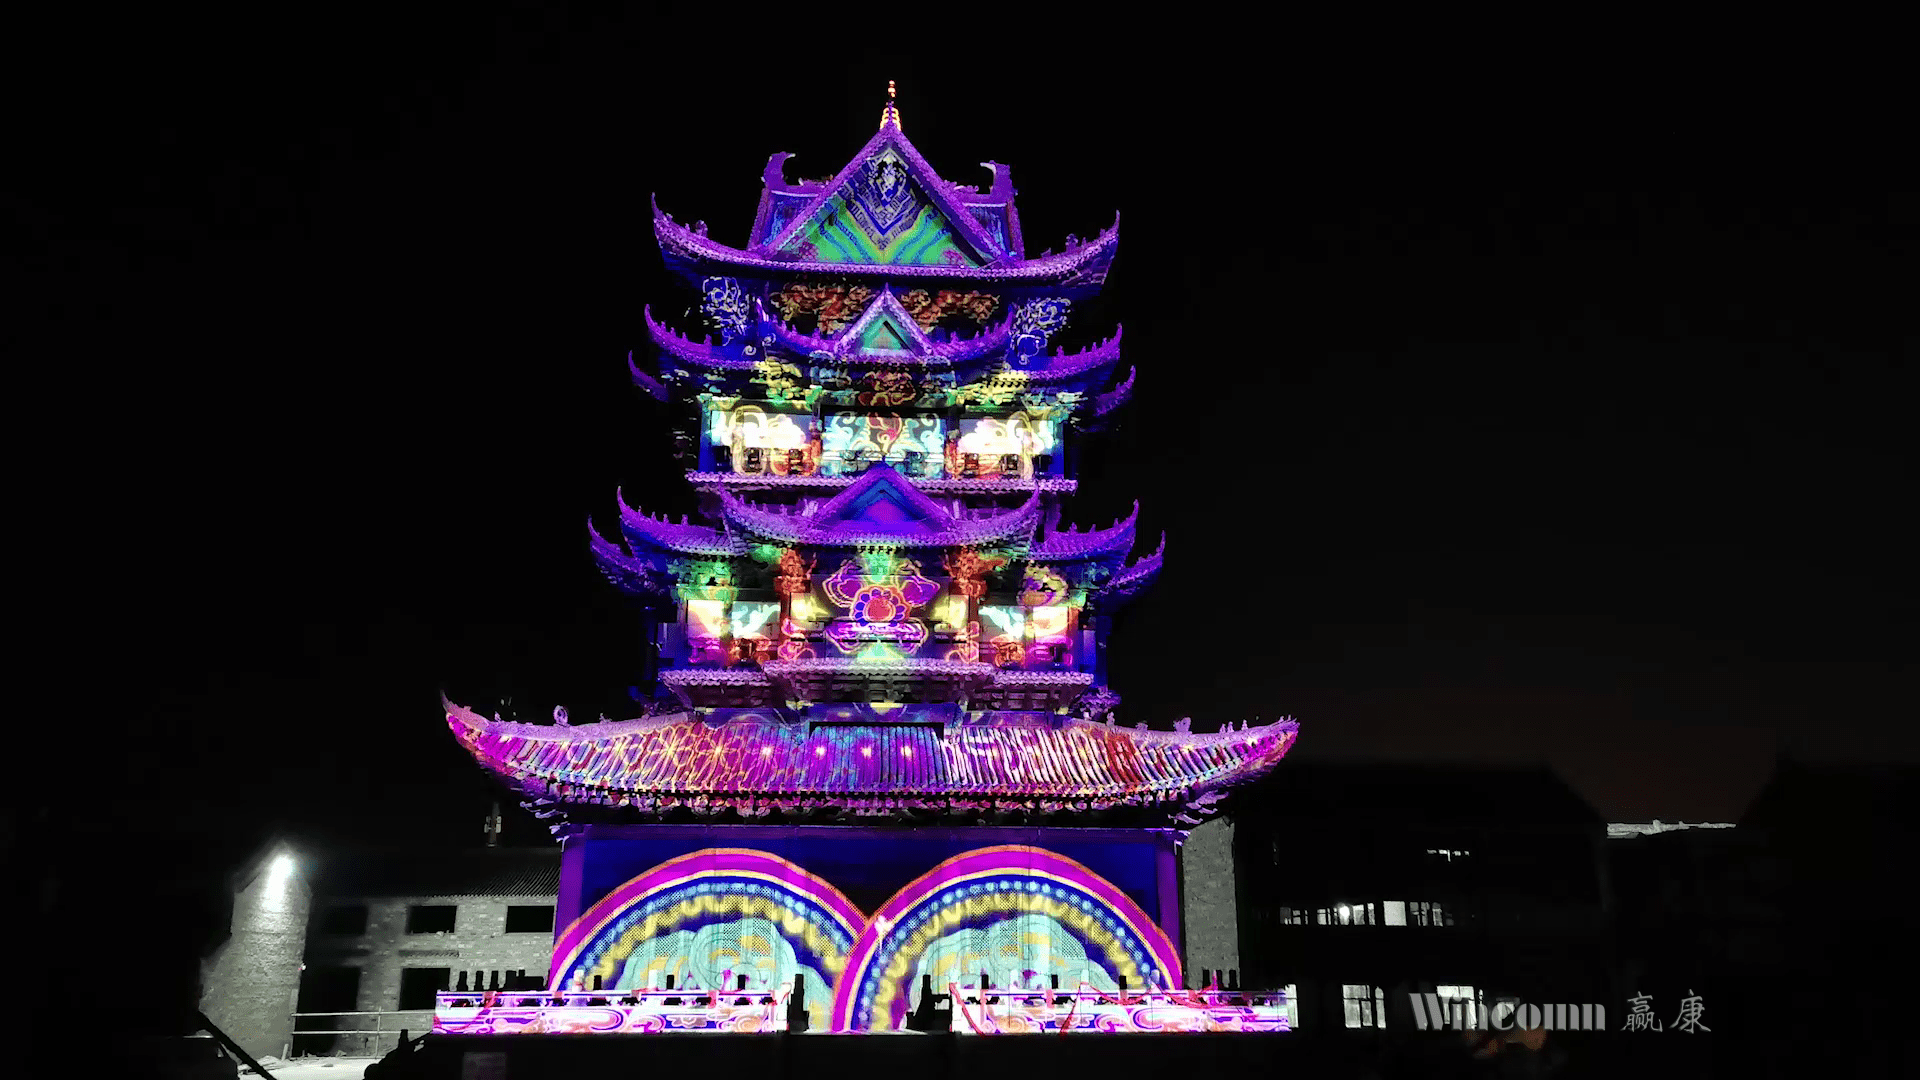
[[988, 886], [1056, 915], [1087, 1010], [679, 756], [651, 1012], [879, 602]]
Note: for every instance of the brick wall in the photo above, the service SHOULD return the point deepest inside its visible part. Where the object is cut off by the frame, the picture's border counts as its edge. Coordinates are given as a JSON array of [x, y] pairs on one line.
[[478, 942], [1211, 911], [250, 980]]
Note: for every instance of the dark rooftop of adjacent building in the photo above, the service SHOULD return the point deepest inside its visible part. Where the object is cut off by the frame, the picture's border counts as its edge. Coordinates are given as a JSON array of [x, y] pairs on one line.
[[1434, 793], [501, 871]]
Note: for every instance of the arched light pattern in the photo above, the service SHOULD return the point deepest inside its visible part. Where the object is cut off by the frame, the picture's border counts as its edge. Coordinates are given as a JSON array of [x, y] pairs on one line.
[[707, 918], [1013, 895]]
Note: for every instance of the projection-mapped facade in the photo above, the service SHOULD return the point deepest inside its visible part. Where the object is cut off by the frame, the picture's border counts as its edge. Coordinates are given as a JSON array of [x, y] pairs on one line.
[[892, 759]]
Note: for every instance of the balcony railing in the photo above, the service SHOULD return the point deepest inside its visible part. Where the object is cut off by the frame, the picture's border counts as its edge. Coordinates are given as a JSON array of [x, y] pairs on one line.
[[584, 1012], [705, 652], [798, 461]]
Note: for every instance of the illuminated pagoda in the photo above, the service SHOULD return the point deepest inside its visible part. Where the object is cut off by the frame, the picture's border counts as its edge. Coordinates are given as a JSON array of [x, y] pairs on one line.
[[891, 751]]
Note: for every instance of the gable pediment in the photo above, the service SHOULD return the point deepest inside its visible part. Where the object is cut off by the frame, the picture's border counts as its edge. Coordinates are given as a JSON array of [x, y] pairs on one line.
[[882, 500], [885, 209], [885, 328]]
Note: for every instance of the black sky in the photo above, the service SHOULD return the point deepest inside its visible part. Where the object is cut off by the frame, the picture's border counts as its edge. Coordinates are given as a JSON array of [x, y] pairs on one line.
[[1456, 458]]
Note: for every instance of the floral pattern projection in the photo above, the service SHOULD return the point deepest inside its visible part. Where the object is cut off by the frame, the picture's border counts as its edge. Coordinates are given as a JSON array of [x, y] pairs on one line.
[[1006, 447], [879, 594], [1018, 914], [852, 441], [835, 306], [782, 442]]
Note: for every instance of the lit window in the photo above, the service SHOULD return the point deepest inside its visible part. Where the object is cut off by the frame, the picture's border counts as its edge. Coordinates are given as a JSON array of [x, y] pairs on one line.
[[1365, 1006], [1465, 998], [852, 441], [1346, 915]]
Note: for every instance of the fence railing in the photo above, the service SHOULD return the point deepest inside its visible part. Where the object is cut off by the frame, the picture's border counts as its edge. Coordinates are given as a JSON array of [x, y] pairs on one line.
[[373, 1035]]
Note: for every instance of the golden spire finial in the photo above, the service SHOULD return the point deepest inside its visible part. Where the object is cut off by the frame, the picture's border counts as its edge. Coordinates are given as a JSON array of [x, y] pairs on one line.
[[890, 116]]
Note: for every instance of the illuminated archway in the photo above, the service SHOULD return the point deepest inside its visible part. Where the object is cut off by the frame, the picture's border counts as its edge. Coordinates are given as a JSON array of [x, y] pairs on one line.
[[707, 918], [1019, 913]]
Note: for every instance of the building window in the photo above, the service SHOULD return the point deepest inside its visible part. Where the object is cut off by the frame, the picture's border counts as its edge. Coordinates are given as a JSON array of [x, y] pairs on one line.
[[1421, 913], [1448, 854], [1292, 993], [1294, 916], [418, 985], [530, 919], [1346, 915], [1366, 1006], [345, 919], [430, 919], [1464, 998]]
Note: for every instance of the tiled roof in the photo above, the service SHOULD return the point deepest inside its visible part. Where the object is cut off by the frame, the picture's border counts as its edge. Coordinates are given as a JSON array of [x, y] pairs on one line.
[[1083, 264], [681, 755], [1072, 543]]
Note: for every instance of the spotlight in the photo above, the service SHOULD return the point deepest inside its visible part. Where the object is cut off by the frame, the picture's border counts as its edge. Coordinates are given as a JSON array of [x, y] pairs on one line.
[[278, 871]]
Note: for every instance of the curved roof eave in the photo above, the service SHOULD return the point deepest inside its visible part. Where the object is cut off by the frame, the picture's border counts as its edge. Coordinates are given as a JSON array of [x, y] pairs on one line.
[[614, 757], [1074, 544], [679, 538], [1080, 266]]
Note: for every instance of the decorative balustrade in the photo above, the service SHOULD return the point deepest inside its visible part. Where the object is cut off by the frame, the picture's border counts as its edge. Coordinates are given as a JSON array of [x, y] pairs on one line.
[[730, 652], [993, 1011], [600, 1012], [998, 1011], [915, 464]]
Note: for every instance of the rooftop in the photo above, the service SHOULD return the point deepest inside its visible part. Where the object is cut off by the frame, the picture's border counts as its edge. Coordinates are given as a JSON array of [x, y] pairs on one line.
[[501, 871]]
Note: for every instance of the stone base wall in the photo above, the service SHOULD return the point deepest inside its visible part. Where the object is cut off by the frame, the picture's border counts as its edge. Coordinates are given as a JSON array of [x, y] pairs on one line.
[[1208, 903]]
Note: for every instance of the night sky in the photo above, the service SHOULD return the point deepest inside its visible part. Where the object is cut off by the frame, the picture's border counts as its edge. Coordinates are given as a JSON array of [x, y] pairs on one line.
[[1456, 459]]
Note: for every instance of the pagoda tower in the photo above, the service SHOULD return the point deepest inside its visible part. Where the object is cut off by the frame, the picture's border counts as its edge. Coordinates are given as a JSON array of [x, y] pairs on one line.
[[890, 750]]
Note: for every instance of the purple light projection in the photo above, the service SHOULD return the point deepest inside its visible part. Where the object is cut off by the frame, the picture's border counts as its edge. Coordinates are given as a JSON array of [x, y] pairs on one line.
[[881, 618]]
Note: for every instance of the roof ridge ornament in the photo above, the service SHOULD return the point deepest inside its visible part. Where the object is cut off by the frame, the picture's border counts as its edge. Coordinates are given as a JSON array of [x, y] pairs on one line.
[[890, 116]]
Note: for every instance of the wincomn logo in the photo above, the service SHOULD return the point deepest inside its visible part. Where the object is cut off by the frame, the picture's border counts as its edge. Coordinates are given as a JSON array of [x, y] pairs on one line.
[[1431, 1012]]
